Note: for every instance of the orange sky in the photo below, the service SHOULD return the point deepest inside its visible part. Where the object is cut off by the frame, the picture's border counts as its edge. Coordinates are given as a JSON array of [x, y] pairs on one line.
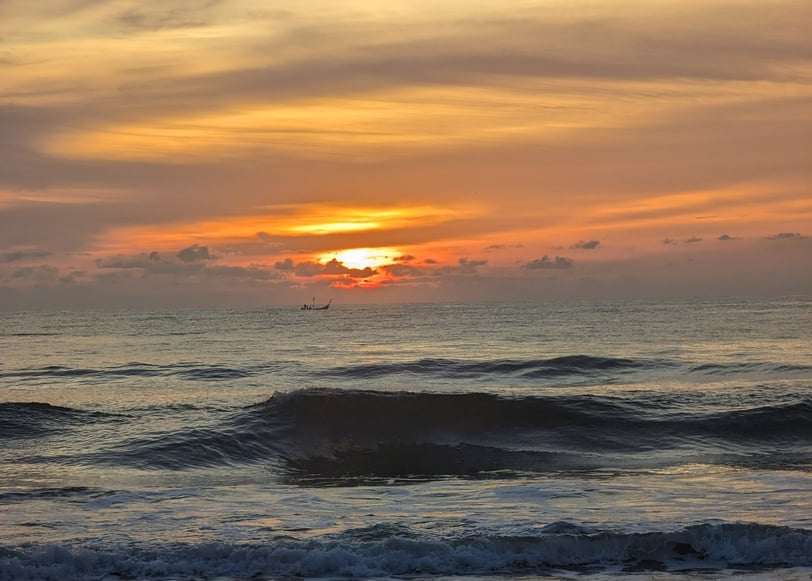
[[226, 153]]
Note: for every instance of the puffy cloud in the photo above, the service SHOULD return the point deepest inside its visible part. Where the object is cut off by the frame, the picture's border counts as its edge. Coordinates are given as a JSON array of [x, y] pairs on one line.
[[464, 266], [585, 245], [309, 269], [404, 270], [559, 262], [194, 253]]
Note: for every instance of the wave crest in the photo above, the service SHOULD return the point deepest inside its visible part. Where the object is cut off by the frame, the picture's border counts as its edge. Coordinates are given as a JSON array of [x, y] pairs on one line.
[[393, 550]]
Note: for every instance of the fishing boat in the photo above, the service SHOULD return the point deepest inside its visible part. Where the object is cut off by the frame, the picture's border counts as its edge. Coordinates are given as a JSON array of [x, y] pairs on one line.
[[314, 307]]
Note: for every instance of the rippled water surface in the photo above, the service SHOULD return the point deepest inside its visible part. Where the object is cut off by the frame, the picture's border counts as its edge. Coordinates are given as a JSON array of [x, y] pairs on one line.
[[584, 440]]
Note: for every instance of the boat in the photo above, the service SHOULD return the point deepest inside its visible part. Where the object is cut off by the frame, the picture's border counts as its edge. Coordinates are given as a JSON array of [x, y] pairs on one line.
[[314, 307]]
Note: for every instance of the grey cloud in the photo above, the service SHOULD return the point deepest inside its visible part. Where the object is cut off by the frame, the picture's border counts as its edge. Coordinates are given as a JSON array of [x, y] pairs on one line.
[[250, 272], [195, 253], [464, 266], [151, 264], [142, 260], [19, 255], [158, 16], [333, 267], [401, 270], [559, 262], [285, 265], [693, 240], [533, 46], [43, 274], [585, 245], [727, 238], [786, 236]]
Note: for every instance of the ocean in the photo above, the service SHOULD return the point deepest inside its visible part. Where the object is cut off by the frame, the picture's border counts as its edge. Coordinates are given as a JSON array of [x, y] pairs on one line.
[[588, 440]]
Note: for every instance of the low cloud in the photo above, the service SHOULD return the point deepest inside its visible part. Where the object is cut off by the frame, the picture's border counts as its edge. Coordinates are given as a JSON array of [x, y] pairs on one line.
[[142, 260], [254, 272], [693, 240], [786, 236], [37, 274], [195, 253], [20, 255], [464, 266], [585, 245], [309, 269], [727, 238], [403, 270], [559, 262]]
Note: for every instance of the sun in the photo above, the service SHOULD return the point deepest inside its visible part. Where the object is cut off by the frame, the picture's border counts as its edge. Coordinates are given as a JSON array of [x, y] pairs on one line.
[[361, 258]]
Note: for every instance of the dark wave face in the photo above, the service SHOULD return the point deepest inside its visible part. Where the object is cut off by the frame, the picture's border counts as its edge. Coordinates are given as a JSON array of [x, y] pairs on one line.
[[337, 436], [528, 369], [191, 371], [24, 420]]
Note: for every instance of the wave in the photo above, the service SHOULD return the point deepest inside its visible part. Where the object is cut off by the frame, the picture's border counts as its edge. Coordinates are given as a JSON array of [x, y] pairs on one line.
[[53, 493], [750, 366], [394, 550], [190, 371], [333, 436], [532, 368], [30, 419]]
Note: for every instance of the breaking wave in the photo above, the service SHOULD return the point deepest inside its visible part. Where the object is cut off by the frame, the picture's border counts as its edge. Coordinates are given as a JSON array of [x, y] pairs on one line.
[[338, 435], [395, 550]]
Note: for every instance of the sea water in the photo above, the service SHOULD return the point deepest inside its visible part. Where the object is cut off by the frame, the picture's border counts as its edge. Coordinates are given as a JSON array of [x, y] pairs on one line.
[[638, 439]]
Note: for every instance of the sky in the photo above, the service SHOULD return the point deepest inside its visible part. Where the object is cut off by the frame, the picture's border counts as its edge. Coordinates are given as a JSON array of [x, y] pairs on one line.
[[225, 153]]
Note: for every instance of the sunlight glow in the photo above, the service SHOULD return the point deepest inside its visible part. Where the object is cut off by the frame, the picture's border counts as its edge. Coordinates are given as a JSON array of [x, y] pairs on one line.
[[363, 257]]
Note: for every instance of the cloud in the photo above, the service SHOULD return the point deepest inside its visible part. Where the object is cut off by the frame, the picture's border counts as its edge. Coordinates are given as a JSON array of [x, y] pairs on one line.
[[43, 274], [585, 245], [309, 269], [693, 240], [154, 17], [254, 272], [786, 236], [142, 260], [464, 266], [19, 255], [559, 262], [502, 247], [727, 238], [195, 253]]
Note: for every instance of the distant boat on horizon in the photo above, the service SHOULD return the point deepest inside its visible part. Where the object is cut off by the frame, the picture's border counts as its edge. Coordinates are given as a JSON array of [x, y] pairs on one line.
[[313, 307]]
